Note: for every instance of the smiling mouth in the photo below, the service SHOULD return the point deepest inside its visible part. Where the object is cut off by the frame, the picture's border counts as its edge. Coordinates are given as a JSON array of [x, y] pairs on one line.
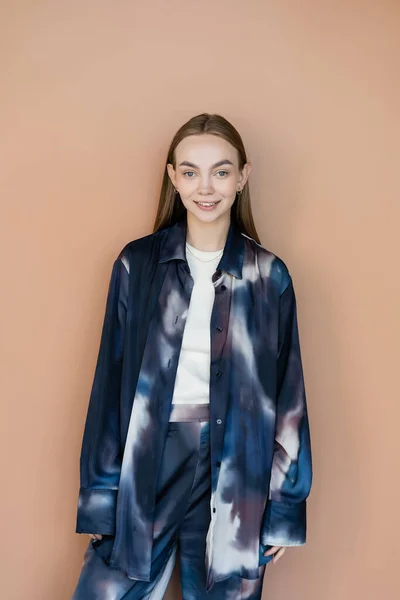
[[207, 203]]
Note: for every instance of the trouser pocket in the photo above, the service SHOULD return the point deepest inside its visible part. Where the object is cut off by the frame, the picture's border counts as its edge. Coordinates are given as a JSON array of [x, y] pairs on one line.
[[263, 560], [104, 546]]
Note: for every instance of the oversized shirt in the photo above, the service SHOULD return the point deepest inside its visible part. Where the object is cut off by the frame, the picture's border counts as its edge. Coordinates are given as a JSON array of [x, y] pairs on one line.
[[261, 466]]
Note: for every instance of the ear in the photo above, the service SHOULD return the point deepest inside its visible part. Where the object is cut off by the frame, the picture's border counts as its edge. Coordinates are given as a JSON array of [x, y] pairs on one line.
[[245, 174], [171, 173]]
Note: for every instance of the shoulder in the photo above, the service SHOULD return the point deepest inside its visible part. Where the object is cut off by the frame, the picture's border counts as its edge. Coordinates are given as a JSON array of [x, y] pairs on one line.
[[270, 265], [139, 250]]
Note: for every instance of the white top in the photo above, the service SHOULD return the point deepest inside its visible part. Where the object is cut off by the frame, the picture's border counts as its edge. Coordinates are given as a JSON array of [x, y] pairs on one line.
[[192, 383]]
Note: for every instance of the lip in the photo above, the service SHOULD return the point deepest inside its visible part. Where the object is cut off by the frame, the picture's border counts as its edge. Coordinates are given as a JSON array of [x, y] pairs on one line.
[[207, 208], [206, 201]]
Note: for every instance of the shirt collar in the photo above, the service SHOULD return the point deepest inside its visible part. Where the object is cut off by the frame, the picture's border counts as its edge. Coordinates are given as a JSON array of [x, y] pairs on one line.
[[174, 247]]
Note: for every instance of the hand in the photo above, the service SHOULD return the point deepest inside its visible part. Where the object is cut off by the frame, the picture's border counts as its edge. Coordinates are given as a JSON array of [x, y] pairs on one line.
[[95, 536], [279, 550]]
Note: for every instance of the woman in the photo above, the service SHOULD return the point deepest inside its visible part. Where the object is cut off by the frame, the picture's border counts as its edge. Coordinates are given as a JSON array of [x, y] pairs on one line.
[[197, 434]]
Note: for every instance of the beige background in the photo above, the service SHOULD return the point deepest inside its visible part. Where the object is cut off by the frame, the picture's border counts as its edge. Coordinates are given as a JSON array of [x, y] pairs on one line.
[[91, 95]]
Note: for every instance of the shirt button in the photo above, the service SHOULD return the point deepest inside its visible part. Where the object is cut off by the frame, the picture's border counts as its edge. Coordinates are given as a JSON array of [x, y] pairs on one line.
[[214, 510], [223, 287], [218, 328], [218, 373], [219, 421]]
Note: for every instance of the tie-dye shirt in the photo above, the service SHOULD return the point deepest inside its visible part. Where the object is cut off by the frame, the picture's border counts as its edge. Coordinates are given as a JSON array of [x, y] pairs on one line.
[[261, 470]]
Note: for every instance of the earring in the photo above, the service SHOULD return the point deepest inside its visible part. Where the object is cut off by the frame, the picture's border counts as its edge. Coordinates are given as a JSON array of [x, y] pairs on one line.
[[176, 191], [239, 192]]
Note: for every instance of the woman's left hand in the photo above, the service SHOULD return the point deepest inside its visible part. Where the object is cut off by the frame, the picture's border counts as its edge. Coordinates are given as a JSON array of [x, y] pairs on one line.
[[279, 550]]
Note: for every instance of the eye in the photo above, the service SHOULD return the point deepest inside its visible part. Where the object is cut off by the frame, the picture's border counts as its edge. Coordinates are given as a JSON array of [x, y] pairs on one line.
[[187, 173], [224, 172]]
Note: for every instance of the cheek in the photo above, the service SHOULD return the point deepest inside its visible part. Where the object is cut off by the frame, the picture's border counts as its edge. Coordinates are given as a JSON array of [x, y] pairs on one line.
[[227, 186], [186, 184]]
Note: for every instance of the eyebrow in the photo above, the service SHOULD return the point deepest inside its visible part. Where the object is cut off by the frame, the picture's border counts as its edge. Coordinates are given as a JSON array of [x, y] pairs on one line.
[[186, 163]]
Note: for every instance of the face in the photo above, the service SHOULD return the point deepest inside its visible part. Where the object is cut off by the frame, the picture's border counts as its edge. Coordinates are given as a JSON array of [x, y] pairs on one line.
[[207, 172]]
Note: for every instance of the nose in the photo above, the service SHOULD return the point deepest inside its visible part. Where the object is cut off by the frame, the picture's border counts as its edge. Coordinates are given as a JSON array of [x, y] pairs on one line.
[[205, 186]]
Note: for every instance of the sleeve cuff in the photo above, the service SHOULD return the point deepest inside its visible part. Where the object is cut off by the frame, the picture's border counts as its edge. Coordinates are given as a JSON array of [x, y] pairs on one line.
[[284, 524], [96, 511]]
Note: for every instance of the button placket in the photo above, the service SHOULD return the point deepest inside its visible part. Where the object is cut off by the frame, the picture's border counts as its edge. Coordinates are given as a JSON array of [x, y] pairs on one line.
[[218, 395]]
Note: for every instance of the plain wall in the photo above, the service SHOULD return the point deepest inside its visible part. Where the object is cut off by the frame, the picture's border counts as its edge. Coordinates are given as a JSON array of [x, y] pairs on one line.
[[91, 95]]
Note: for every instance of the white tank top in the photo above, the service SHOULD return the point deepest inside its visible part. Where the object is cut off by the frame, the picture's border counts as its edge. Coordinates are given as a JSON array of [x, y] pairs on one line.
[[192, 383]]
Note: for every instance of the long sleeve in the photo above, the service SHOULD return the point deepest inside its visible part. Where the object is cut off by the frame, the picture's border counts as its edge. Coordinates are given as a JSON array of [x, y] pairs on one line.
[[284, 522], [100, 460]]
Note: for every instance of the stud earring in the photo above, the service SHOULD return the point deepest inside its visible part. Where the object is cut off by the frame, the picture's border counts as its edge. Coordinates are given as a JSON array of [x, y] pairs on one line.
[[176, 191], [239, 192]]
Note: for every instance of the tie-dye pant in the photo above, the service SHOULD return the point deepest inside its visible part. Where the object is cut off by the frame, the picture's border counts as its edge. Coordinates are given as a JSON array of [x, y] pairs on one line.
[[182, 518]]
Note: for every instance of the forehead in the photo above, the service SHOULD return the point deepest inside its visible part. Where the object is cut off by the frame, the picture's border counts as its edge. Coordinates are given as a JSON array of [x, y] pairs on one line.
[[204, 150]]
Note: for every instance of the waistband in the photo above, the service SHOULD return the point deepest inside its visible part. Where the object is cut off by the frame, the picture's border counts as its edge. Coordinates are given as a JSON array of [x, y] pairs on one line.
[[190, 412]]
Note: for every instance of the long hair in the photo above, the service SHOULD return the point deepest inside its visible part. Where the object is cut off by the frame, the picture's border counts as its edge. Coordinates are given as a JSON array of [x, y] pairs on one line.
[[170, 206]]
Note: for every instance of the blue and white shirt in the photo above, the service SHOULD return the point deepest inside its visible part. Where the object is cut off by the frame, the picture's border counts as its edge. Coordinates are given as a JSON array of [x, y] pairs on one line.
[[261, 470]]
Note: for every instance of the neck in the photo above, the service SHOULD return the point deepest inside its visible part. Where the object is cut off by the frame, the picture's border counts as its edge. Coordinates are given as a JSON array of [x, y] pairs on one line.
[[207, 236]]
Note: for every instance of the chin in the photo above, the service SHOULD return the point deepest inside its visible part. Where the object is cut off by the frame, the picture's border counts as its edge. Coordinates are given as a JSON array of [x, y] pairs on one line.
[[210, 217]]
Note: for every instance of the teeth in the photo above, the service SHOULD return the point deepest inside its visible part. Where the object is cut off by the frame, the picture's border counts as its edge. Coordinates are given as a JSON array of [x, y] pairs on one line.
[[206, 203]]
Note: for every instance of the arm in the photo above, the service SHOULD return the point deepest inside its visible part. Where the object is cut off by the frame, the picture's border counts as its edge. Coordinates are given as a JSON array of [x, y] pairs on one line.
[[100, 461], [284, 522]]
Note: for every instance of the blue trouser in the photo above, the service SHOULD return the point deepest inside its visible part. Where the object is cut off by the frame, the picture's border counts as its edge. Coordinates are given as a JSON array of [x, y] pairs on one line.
[[182, 517]]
